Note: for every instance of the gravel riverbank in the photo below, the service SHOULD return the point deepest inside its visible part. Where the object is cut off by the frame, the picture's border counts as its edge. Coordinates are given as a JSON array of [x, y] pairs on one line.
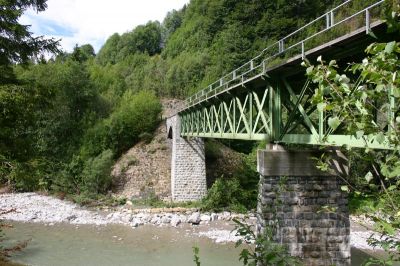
[[35, 208]]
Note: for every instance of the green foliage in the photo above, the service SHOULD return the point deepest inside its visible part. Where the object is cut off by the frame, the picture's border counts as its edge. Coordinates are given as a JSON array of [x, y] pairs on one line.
[[137, 113], [364, 102], [143, 39], [264, 250], [226, 194], [16, 40], [196, 257], [96, 174], [83, 53]]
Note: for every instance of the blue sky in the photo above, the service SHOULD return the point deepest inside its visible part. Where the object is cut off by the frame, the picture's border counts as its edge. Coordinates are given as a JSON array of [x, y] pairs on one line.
[[93, 21]]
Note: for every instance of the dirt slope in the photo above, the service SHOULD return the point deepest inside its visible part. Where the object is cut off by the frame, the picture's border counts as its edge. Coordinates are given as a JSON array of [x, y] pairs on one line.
[[145, 170]]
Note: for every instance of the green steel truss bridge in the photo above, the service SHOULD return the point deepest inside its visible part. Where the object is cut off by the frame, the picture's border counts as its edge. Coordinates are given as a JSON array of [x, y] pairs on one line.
[[268, 98]]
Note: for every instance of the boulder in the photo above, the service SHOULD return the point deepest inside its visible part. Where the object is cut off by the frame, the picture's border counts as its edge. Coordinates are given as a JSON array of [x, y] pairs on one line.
[[214, 216], [194, 218], [165, 220], [175, 221], [205, 217]]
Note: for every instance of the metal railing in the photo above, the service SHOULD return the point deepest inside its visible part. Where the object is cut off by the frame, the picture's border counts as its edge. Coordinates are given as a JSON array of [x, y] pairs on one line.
[[299, 39]]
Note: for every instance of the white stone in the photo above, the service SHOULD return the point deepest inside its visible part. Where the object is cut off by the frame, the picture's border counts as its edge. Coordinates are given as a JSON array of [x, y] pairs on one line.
[[155, 220], [214, 217], [165, 220], [175, 221], [205, 217], [194, 218], [226, 215]]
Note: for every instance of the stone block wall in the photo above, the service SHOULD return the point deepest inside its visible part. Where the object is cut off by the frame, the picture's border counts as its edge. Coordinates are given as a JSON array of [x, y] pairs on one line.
[[188, 168], [309, 210]]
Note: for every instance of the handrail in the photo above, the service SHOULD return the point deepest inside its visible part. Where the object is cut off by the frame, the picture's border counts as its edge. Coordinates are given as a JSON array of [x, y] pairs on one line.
[[248, 67]]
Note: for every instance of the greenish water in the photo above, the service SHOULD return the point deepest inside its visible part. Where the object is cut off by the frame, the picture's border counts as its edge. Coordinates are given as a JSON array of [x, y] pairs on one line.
[[115, 245], [67, 245]]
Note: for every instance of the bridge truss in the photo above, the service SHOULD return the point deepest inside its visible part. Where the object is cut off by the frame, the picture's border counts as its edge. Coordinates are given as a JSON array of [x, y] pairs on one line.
[[261, 101]]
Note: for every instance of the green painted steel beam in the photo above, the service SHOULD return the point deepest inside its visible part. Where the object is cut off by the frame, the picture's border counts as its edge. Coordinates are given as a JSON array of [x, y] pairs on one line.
[[336, 141]]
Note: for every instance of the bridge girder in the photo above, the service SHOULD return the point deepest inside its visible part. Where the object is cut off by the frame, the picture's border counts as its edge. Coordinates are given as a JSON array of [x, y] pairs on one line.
[[276, 113]]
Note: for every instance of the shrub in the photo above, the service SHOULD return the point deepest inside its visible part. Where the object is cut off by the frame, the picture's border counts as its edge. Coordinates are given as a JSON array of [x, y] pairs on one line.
[[226, 194], [96, 174]]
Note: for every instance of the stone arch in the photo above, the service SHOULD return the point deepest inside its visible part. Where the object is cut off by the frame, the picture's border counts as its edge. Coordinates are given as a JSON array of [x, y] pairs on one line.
[[170, 133]]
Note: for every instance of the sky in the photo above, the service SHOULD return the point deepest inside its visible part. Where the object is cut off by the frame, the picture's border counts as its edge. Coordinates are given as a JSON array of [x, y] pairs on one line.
[[93, 21]]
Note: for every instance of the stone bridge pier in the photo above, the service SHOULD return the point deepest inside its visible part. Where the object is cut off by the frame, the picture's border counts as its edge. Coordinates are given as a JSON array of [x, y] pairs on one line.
[[188, 167], [306, 207]]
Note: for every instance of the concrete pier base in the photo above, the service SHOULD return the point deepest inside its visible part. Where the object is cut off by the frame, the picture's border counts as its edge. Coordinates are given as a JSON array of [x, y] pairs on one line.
[[307, 207]]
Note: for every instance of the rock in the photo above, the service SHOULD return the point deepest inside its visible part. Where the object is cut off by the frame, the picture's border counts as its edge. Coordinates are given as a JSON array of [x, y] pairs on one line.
[[194, 218], [71, 217], [165, 220], [226, 215], [146, 218], [134, 223], [155, 220], [128, 202], [175, 221], [183, 218], [205, 217], [126, 218], [214, 217]]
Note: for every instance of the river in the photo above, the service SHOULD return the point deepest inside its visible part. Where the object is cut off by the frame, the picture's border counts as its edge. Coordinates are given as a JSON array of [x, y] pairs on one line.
[[64, 244]]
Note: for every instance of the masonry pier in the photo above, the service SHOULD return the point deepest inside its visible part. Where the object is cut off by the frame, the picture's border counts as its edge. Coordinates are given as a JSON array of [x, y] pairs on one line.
[[306, 205], [188, 167]]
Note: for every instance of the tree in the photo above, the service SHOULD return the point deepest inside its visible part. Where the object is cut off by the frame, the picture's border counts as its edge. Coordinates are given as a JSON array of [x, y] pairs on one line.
[[16, 42], [83, 53]]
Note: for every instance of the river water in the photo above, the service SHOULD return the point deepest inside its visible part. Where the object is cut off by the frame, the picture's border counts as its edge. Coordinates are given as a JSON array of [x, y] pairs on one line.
[[69, 245]]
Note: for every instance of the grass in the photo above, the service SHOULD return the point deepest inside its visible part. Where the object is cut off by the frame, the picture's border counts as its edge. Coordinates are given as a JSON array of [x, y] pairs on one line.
[[154, 202], [360, 204]]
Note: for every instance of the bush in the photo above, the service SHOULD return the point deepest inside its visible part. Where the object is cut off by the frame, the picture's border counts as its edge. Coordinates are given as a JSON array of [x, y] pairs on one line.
[[226, 194], [96, 174]]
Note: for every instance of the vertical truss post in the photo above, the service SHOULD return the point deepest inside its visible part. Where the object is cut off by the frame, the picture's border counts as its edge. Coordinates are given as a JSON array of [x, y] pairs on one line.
[[198, 122], [221, 111], [234, 115], [275, 112], [367, 21], [271, 111], [328, 18], [250, 114]]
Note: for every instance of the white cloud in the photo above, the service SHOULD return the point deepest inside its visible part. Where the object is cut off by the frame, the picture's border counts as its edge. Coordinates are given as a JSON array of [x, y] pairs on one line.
[[93, 21]]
